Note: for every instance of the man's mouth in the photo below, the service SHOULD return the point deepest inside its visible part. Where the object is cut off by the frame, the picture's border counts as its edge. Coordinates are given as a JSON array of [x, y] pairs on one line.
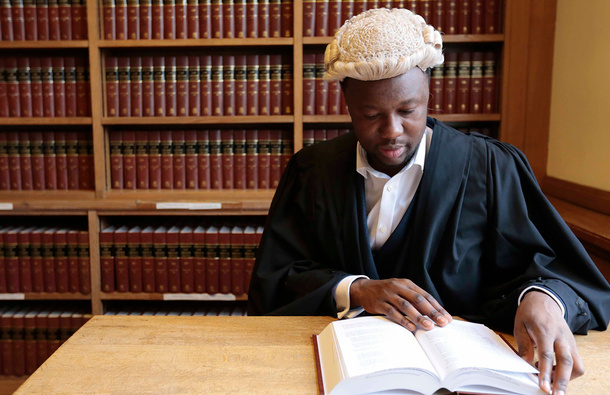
[[392, 151]]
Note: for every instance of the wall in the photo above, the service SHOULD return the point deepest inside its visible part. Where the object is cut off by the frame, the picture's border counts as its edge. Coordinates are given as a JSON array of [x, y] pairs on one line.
[[579, 136]]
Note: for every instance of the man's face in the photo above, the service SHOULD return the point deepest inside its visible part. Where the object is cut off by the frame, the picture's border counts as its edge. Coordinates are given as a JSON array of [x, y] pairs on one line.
[[389, 117]]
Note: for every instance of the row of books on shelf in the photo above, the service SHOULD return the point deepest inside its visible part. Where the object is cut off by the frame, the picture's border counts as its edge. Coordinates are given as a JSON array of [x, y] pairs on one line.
[[41, 259], [199, 159], [193, 19], [320, 97], [33, 20], [314, 136], [44, 86], [30, 333], [178, 259], [323, 17], [208, 309], [254, 84], [46, 160]]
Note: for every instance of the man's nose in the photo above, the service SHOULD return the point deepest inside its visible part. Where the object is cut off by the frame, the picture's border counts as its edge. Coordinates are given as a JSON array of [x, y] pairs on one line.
[[391, 128]]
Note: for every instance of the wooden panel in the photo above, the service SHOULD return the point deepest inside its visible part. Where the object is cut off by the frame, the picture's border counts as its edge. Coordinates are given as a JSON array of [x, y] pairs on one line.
[[581, 195]]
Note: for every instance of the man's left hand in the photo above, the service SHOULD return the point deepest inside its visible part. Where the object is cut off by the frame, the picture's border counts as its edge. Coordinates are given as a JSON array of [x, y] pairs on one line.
[[541, 329]]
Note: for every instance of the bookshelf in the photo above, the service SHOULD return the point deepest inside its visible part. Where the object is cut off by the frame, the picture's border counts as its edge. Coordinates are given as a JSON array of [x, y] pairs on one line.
[[101, 205]]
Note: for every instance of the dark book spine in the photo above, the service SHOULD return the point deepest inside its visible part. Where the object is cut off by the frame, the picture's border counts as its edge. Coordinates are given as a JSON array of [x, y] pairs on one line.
[[228, 19], [287, 148], [61, 262], [190, 159], [48, 102], [182, 81], [35, 86], [489, 100], [181, 19], [70, 84], [216, 19], [5, 183], [12, 87], [321, 18], [158, 20], [187, 280], [65, 19], [37, 156], [492, 16], [239, 159], [4, 107], [211, 261], [25, 159], [240, 18], [287, 85], [252, 77], [275, 21], [120, 14], [192, 15], [199, 285], [72, 160], [79, 20], [167, 161], [237, 262], [263, 18], [309, 18], [217, 85], [203, 160], [224, 261], [241, 100], [159, 86], [59, 86], [29, 16], [48, 261], [309, 84], [148, 92], [54, 32], [109, 19], [173, 262], [478, 17], [437, 18], [264, 159], [205, 18], [24, 79], [134, 260], [11, 261], [116, 159], [112, 86], [83, 95], [145, 10], [178, 159], [170, 86], [205, 85], [124, 86], [227, 159], [333, 104], [14, 163], [449, 87], [84, 263], [252, 159], [228, 85], [160, 253], [193, 87], [476, 83], [154, 159], [129, 159], [287, 17], [148, 262], [50, 166], [275, 84], [321, 86], [215, 147], [142, 159], [463, 83], [264, 85], [85, 160], [135, 85], [465, 16], [275, 165], [121, 263], [36, 261], [251, 18], [169, 19], [451, 17], [437, 83]]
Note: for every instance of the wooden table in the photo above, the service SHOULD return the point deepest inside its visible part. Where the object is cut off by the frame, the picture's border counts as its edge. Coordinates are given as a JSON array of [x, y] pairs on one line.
[[178, 355]]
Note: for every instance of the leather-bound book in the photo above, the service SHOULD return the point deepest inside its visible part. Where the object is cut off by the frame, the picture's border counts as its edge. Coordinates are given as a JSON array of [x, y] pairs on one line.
[[129, 159], [6, 346], [11, 260], [29, 341], [107, 259], [251, 18], [192, 19], [135, 85], [120, 13], [263, 18], [24, 80], [154, 159], [72, 159], [147, 89], [205, 18], [492, 16], [252, 80], [309, 84], [199, 284], [25, 259], [203, 160], [489, 83], [158, 20], [70, 86], [35, 87], [228, 19], [3, 231], [85, 160], [205, 85], [264, 85], [37, 268], [287, 85], [437, 18], [334, 17], [251, 159], [190, 159], [53, 340], [159, 86], [59, 86], [239, 159], [50, 166], [54, 32], [169, 19], [239, 15], [42, 20], [217, 19], [450, 24], [464, 20], [463, 83], [72, 259], [187, 279], [287, 18], [212, 273], [275, 84], [450, 88], [249, 254], [25, 161], [121, 263], [178, 159], [29, 20], [182, 80], [134, 259], [37, 160], [215, 144], [478, 17], [108, 19], [61, 160], [321, 86], [181, 20], [12, 86], [48, 102], [319, 135], [84, 263], [227, 159], [141, 159], [5, 183], [333, 98], [425, 10], [275, 21], [224, 260], [361, 5], [112, 86], [194, 83], [173, 259], [65, 20], [476, 83], [14, 162], [148, 260], [167, 160], [116, 159], [240, 95], [237, 261], [264, 158], [309, 18], [171, 97], [287, 149], [437, 83], [83, 96], [217, 84], [145, 19], [4, 108], [40, 333], [18, 345], [61, 260], [79, 20], [48, 260], [228, 85], [275, 165], [308, 137]]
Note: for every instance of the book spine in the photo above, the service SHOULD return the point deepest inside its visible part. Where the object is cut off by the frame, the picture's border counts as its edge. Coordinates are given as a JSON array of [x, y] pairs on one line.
[[287, 149], [121, 261], [228, 19], [205, 18], [29, 24], [252, 79], [491, 19], [148, 263], [240, 95], [72, 160], [199, 281], [37, 158], [29, 340], [79, 20], [347, 10], [194, 83], [182, 80], [227, 159], [145, 9], [24, 79], [123, 70], [215, 147], [217, 19], [50, 173], [5, 183], [240, 18], [451, 14], [169, 19], [120, 14], [181, 19], [309, 19], [239, 159], [109, 20], [167, 161], [48, 102], [224, 262], [112, 86], [54, 30], [148, 92], [275, 84], [264, 159], [160, 253], [187, 280], [437, 82], [70, 84], [251, 18], [18, 362], [42, 20], [192, 15], [85, 160], [61, 262], [36, 262], [437, 18], [25, 161], [61, 160], [263, 18], [129, 159], [12, 86], [212, 262], [173, 262], [287, 17], [135, 85], [84, 264], [134, 261], [141, 153], [116, 159], [159, 86], [275, 21], [190, 159], [275, 141], [476, 83], [25, 261], [309, 84], [228, 85], [287, 85], [35, 87], [249, 256], [333, 105], [237, 262], [107, 261], [489, 100], [264, 84], [321, 18], [205, 85], [11, 261], [217, 84], [463, 83], [449, 87], [203, 160], [48, 262], [82, 88], [154, 159], [178, 159], [157, 24], [14, 164], [4, 107], [65, 19], [321, 86]]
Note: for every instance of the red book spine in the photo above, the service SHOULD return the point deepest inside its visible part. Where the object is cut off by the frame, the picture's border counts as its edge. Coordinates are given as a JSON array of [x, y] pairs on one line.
[[42, 352], [121, 261], [112, 86], [107, 260], [36, 261], [203, 160], [199, 285], [228, 19], [70, 86], [48, 102], [73, 263], [61, 261], [50, 166], [167, 165], [194, 82], [135, 82], [275, 168], [29, 16], [492, 16], [205, 18], [240, 18], [133, 20], [237, 261], [287, 148], [477, 17], [29, 341], [264, 85], [489, 100], [159, 85], [361, 5], [53, 341], [437, 18], [205, 85], [215, 147], [120, 13], [85, 160], [224, 260], [25, 159], [79, 20], [275, 18], [159, 251], [212, 273], [42, 20], [240, 77], [173, 259], [287, 17], [148, 260], [141, 159], [451, 20], [227, 159], [169, 19], [37, 160], [65, 20], [25, 86], [182, 79], [11, 260], [14, 162], [48, 261], [181, 19], [287, 85], [309, 18], [6, 346], [476, 83], [124, 86], [217, 85], [319, 135], [263, 18], [129, 159], [54, 29], [250, 245], [25, 259], [145, 9], [333, 105], [190, 159], [321, 87], [192, 22], [228, 85], [239, 159], [109, 20], [170, 86], [35, 87], [84, 264], [154, 159], [264, 159], [148, 92], [61, 160], [321, 17], [463, 83], [465, 16], [72, 160], [12, 86], [178, 159], [252, 84], [116, 159], [449, 87], [334, 17], [134, 259], [251, 19], [437, 82], [18, 344], [157, 28], [5, 183], [2, 263], [187, 279], [4, 107], [347, 9], [309, 84], [275, 85], [82, 88]]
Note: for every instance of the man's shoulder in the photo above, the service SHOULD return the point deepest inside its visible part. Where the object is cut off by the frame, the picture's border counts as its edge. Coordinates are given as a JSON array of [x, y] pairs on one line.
[[328, 153]]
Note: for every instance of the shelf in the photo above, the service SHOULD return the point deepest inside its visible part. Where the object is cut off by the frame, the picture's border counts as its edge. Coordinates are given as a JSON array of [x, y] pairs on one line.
[[44, 44], [225, 120], [188, 43], [43, 121], [44, 296], [440, 117], [447, 38], [171, 296]]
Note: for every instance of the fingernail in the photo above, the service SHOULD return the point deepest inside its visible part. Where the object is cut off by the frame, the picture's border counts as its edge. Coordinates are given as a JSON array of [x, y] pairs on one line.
[[559, 392], [442, 319], [546, 386]]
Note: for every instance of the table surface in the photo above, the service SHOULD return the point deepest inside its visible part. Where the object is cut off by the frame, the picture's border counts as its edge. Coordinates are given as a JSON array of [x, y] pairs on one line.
[[177, 355]]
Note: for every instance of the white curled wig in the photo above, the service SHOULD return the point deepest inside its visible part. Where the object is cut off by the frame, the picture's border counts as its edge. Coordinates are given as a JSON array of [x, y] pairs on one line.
[[382, 43]]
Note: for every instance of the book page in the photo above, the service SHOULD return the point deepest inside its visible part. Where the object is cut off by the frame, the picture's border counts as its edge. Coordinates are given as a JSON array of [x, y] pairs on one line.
[[468, 345]]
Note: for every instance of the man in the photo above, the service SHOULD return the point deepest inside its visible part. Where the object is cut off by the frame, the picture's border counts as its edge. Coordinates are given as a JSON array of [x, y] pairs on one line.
[[409, 218]]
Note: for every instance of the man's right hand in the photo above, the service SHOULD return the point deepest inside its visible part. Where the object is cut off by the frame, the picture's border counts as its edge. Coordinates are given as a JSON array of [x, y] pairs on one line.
[[400, 300]]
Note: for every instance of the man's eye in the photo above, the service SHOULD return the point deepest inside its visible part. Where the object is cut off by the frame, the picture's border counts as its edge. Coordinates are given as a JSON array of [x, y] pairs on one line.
[[405, 112], [374, 116]]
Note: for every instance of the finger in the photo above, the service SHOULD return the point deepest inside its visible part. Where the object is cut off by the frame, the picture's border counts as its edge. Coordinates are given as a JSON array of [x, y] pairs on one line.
[[525, 344], [427, 305], [546, 357], [405, 307], [563, 369], [400, 319]]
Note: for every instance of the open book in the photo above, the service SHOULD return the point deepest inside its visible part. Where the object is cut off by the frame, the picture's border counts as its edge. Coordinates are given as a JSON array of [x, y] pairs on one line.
[[373, 354]]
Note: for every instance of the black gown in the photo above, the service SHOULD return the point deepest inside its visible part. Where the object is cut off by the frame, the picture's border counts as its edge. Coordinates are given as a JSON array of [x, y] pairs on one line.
[[479, 231]]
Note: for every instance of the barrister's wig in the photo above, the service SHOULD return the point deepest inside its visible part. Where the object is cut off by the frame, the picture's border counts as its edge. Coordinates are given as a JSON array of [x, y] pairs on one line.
[[382, 43]]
